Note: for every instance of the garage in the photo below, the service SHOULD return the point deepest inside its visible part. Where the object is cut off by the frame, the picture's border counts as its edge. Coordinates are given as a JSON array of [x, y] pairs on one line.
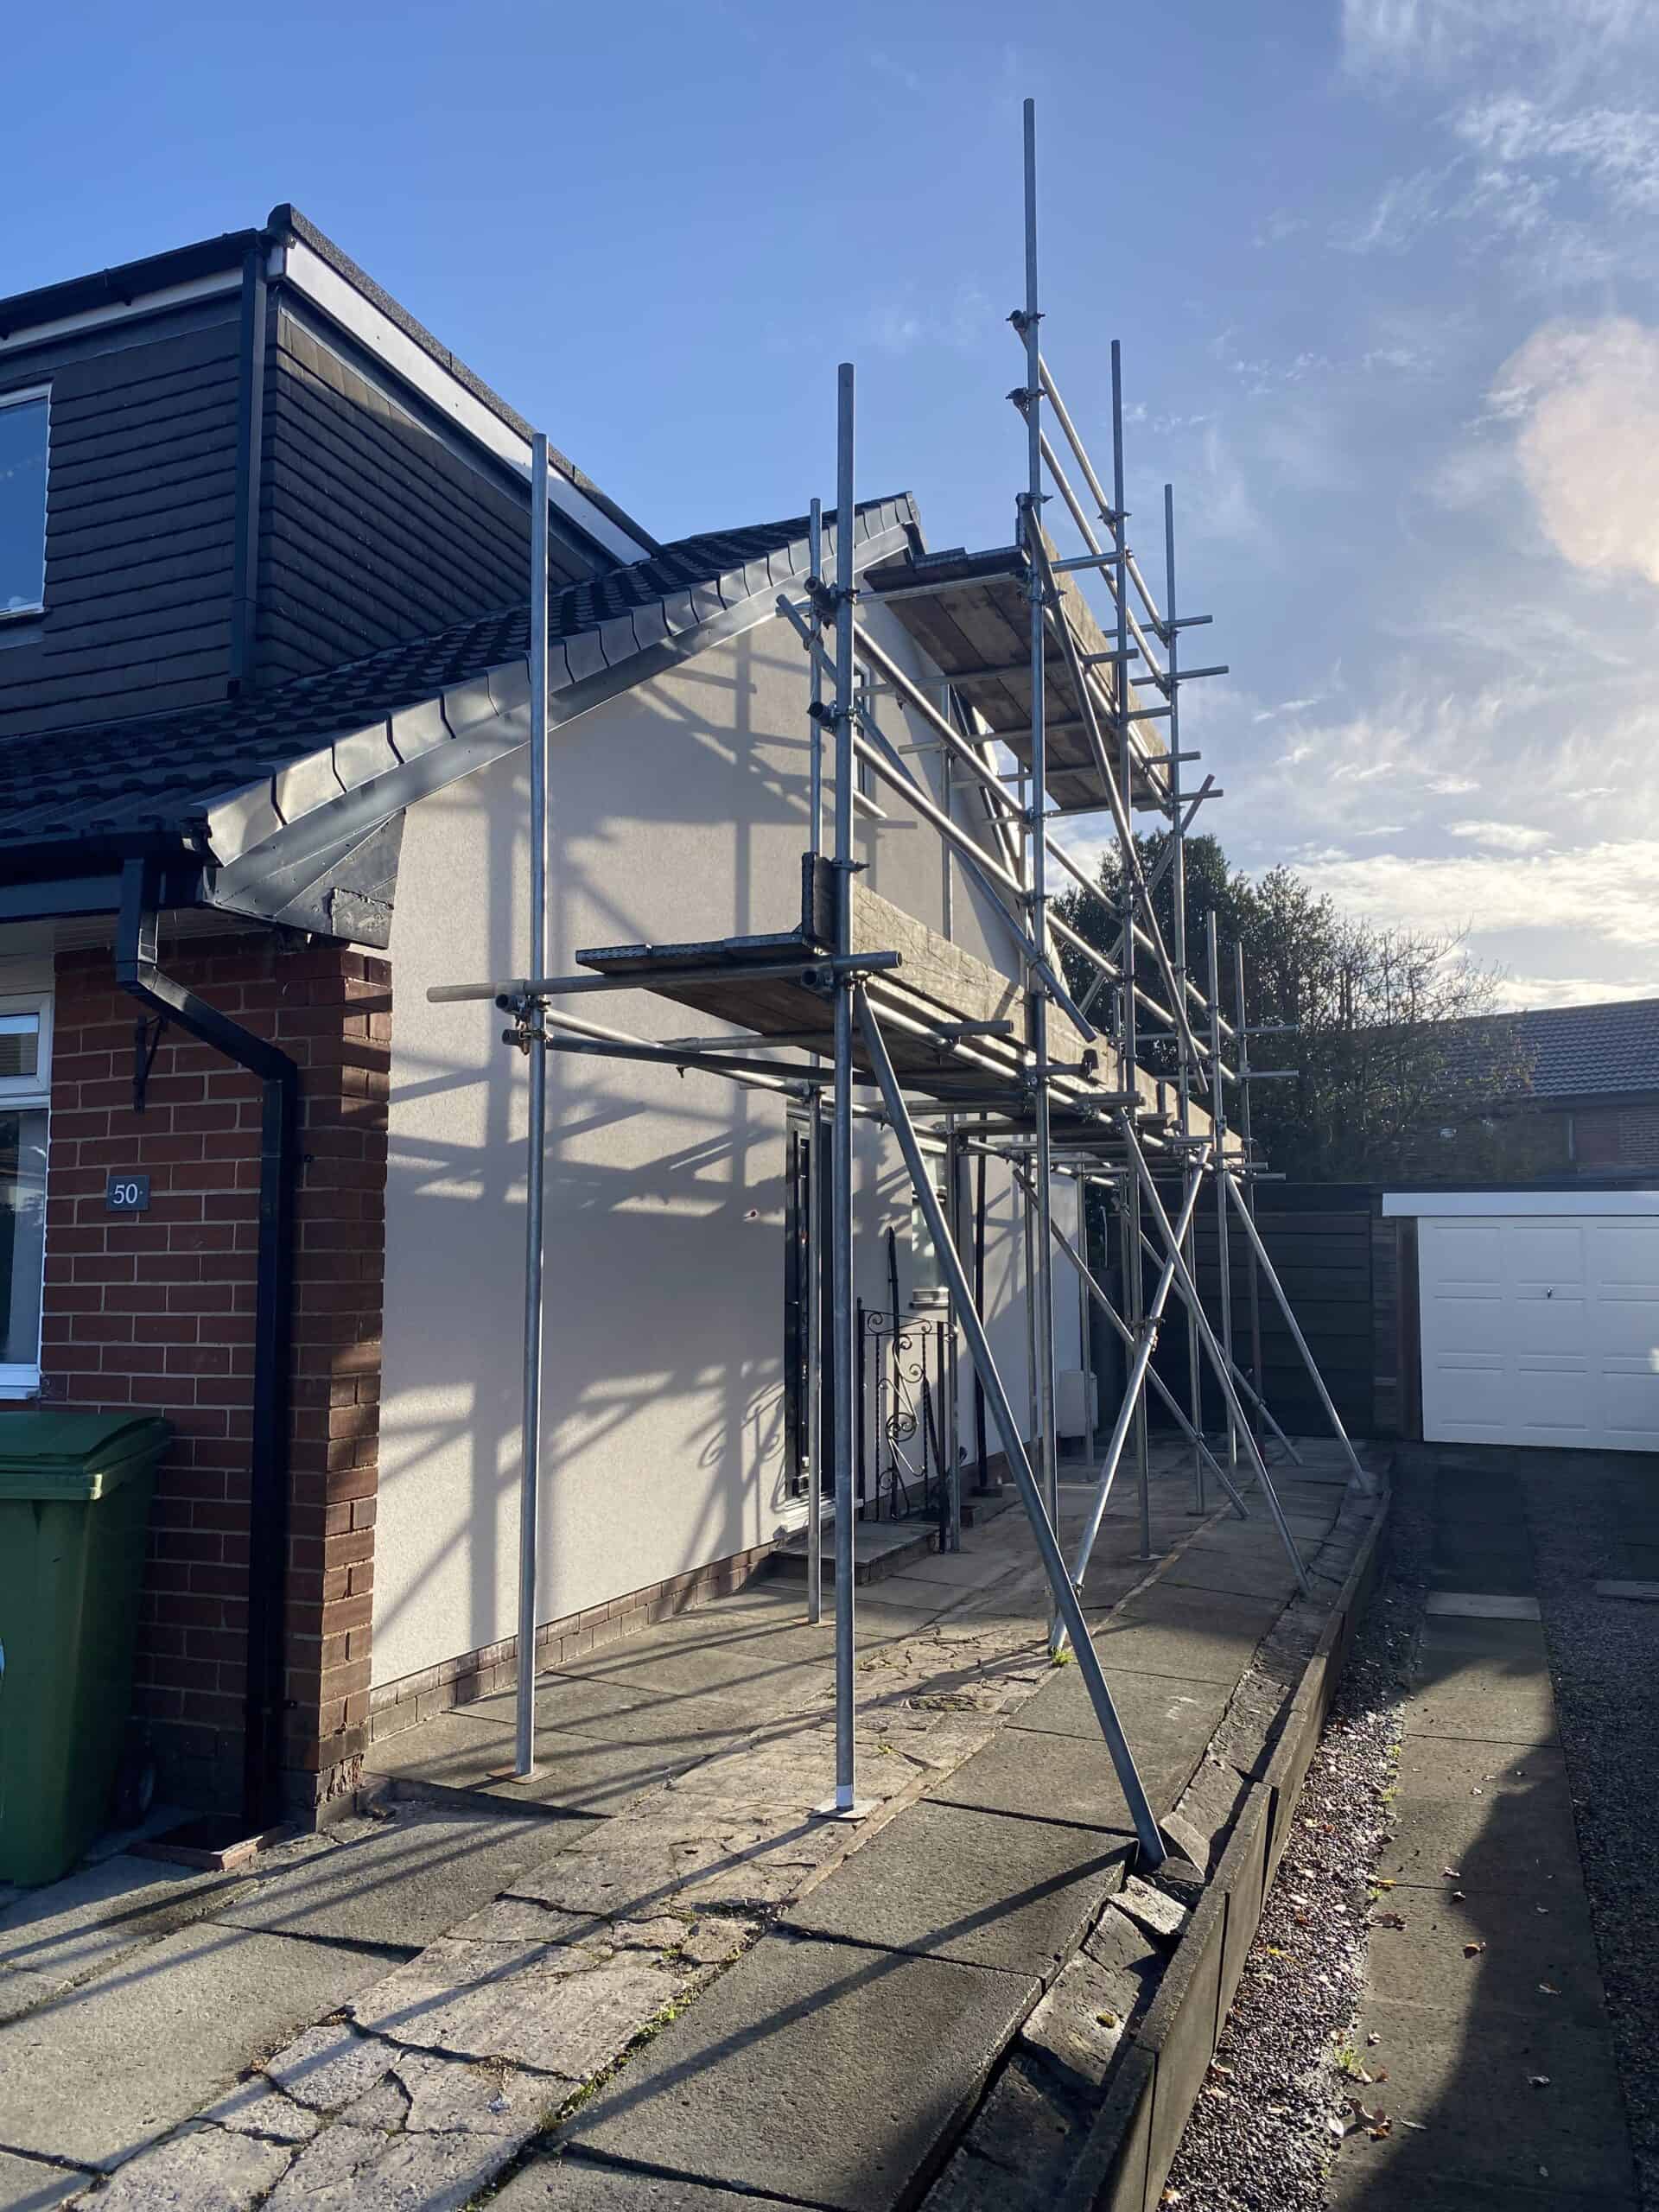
[[1539, 1317]]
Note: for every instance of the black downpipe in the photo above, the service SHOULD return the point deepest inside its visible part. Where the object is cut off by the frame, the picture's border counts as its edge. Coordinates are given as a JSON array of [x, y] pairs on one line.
[[137, 971]]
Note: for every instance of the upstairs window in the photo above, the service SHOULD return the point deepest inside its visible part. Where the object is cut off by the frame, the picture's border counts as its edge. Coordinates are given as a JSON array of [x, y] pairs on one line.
[[23, 501]]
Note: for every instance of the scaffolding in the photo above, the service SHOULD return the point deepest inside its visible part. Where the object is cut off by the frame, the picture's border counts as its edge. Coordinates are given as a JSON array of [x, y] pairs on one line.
[[1048, 716]]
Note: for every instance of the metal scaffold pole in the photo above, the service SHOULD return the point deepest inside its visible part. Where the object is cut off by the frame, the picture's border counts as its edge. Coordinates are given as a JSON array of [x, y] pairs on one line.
[[1178, 955], [1134, 1287], [524, 1741], [1037, 912], [813, 1304], [816, 1298], [1218, 1112], [843, 1350], [1218, 1358], [1242, 1031], [1067, 1606]]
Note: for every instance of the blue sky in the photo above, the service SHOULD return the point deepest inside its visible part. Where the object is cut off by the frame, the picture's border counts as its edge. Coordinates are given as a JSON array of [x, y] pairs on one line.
[[1384, 271]]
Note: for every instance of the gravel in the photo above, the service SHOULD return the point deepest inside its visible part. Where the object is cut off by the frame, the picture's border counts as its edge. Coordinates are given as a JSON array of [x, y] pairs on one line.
[[1262, 2135], [1593, 1521]]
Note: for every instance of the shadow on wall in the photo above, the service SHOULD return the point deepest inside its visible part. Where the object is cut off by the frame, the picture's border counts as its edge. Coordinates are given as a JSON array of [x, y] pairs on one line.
[[677, 813]]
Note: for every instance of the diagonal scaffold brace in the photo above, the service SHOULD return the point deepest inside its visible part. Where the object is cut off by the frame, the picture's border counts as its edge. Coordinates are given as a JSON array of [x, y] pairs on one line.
[[1126, 1335], [1220, 1365], [1067, 1604]]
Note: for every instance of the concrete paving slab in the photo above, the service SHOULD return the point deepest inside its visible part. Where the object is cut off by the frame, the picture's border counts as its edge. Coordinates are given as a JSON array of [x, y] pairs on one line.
[[1168, 1604], [561, 1701], [1192, 1652], [1443, 2071], [372, 2170], [577, 1771], [71, 1929], [767, 1674], [1497, 1577], [1353, 2190], [919, 1596], [397, 1882], [1036, 1776], [950, 1882], [1151, 1707], [1470, 1810], [103, 2070], [1261, 1573], [575, 2184], [1479, 1605], [1485, 1680], [1539, 1966], [555, 2009], [975, 1570], [28, 2187], [1638, 1593], [1499, 1773], [749, 2090], [203, 2170]]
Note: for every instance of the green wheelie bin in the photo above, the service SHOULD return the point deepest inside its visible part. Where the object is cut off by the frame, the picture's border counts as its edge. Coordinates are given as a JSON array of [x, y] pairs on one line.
[[74, 1503]]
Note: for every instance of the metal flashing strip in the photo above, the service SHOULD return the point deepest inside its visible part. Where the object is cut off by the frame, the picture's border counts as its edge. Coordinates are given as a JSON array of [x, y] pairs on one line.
[[308, 273], [1509, 1205]]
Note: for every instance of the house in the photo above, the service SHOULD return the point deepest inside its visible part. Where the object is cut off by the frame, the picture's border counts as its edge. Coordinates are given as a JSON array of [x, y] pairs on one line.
[[1565, 1090], [264, 706]]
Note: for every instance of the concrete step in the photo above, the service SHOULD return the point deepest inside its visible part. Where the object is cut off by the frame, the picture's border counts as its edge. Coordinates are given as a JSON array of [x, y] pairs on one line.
[[879, 1548]]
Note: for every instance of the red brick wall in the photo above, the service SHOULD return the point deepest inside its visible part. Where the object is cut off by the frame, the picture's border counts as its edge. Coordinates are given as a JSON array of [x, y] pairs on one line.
[[1615, 1136], [155, 1310]]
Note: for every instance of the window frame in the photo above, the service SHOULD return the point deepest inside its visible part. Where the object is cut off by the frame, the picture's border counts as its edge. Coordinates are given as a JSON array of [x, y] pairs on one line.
[[29, 1094], [24, 396]]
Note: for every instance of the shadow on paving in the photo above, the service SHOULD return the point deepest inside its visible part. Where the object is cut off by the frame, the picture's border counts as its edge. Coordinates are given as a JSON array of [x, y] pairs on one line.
[[1493, 2052]]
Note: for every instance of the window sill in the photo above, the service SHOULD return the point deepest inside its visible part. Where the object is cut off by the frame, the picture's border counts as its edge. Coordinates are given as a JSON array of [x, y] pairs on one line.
[[21, 1382]]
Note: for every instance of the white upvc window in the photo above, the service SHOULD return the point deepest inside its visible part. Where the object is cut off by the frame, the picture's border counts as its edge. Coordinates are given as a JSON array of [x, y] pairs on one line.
[[25, 1084], [24, 440]]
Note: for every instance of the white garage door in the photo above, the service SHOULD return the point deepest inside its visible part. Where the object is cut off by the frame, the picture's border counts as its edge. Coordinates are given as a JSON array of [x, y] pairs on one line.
[[1541, 1331]]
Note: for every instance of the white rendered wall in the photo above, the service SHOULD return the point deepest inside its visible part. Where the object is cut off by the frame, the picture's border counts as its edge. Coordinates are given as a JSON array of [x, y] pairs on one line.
[[678, 812]]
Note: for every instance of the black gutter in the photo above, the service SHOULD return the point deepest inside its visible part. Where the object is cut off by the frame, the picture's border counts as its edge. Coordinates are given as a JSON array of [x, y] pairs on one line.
[[137, 971]]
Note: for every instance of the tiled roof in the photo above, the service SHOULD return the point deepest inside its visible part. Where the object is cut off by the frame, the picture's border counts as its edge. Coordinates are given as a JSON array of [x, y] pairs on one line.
[[161, 773], [1562, 1052]]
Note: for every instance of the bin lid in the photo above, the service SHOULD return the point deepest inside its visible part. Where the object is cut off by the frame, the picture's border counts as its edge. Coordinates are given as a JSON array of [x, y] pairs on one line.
[[45, 1454]]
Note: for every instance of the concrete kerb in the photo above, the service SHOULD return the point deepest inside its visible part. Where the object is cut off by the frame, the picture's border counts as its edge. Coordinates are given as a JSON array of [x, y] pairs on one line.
[[1134, 2137]]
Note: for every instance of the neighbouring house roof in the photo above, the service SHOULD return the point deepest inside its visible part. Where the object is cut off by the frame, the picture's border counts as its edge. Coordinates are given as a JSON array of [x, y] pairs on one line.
[[271, 792], [1560, 1053]]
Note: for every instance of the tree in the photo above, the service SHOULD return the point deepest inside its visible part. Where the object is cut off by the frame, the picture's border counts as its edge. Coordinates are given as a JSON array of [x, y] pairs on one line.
[[1380, 1060]]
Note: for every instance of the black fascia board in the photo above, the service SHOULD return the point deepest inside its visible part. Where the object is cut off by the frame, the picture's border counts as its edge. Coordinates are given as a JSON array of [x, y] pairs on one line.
[[127, 282], [48, 882]]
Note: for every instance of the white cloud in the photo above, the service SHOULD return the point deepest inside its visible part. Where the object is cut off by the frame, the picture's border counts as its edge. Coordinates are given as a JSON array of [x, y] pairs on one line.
[[1501, 836], [1438, 40], [1404, 208], [1525, 992], [1219, 503], [1274, 229], [1284, 707], [1588, 444], [1616, 149], [903, 324], [1602, 892]]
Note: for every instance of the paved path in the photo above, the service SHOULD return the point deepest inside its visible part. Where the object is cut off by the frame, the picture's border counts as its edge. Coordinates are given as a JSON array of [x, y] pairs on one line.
[[1486, 2010], [475, 1960]]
